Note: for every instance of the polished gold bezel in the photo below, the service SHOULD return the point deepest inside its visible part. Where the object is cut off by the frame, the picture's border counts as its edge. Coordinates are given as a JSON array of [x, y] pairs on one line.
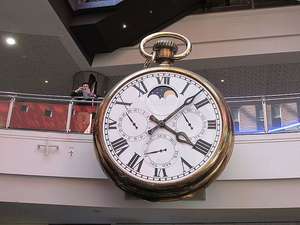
[[173, 189]]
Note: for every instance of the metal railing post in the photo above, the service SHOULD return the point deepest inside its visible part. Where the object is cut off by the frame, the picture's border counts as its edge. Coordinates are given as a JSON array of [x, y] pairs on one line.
[[264, 107], [10, 110], [69, 116]]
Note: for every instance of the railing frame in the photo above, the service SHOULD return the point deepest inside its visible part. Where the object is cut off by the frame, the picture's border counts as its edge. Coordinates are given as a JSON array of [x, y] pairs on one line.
[[71, 101], [10, 111], [264, 107], [69, 116]]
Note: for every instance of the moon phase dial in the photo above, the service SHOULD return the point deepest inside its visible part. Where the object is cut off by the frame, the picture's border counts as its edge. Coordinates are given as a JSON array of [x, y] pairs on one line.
[[162, 100], [133, 124], [190, 121], [163, 92], [161, 151]]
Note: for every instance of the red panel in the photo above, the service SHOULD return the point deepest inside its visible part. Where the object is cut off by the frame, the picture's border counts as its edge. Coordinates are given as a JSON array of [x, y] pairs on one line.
[[33, 115], [81, 118], [4, 105]]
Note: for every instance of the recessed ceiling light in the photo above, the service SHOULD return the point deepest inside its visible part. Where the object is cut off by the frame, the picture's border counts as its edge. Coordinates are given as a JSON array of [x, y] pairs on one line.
[[46, 82], [150, 11], [124, 26], [222, 81], [10, 41]]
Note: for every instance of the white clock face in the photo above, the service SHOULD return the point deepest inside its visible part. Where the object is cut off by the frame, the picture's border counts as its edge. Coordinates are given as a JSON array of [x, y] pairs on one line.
[[173, 149]]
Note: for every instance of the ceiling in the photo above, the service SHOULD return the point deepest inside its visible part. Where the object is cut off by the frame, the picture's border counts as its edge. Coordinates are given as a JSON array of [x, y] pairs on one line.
[[48, 49], [124, 23], [36, 59]]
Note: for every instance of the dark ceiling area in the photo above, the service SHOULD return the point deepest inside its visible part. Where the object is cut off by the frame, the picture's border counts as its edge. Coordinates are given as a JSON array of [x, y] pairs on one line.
[[110, 25], [107, 29]]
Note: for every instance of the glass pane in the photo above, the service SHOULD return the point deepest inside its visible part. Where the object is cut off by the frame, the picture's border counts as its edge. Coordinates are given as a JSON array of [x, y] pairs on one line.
[[4, 105], [82, 119], [283, 115], [247, 116], [39, 115]]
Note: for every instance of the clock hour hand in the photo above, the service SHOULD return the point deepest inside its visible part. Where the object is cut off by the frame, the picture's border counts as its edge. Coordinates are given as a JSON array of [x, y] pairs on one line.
[[186, 102], [188, 122], [180, 136], [131, 120]]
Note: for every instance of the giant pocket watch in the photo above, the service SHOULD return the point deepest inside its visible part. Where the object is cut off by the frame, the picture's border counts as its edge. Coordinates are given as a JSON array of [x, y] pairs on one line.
[[163, 133]]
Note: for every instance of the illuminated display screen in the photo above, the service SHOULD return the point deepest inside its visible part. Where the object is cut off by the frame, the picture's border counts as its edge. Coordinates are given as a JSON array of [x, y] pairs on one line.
[[91, 4]]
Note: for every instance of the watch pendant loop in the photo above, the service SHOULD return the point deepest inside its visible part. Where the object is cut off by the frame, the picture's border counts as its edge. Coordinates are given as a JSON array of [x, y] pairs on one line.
[[169, 35]]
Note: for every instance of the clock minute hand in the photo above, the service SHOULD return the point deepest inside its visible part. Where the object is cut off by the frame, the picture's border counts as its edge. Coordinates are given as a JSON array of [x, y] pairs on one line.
[[186, 102], [180, 136]]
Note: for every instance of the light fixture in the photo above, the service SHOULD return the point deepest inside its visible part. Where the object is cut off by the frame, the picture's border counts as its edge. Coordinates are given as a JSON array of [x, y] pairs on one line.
[[222, 81], [124, 26], [10, 41], [46, 81]]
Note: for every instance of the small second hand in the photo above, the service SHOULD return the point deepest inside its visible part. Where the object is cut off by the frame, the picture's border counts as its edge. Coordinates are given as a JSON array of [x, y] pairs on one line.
[[188, 122], [131, 120], [161, 150]]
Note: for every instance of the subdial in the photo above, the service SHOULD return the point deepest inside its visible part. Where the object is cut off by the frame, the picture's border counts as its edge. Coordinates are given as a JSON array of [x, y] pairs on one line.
[[161, 151], [190, 121], [133, 124], [162, 100]]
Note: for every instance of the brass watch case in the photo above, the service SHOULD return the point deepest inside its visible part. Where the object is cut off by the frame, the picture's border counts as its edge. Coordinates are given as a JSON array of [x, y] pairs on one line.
[[168, 190]]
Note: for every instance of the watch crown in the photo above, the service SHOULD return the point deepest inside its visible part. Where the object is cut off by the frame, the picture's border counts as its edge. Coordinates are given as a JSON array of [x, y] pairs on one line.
[[165, 44], [164, 51]]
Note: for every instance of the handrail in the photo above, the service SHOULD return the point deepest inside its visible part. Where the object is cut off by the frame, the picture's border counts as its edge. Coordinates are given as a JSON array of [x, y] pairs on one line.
[[83, 100], [40, 96], [251, 114], [30, 94], [260, 96]]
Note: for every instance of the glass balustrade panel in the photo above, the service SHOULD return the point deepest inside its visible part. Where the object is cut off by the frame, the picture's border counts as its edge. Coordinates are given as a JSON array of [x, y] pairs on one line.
[[83, 115], [4, 107], [36, 114], [283, 114], [248, 116]]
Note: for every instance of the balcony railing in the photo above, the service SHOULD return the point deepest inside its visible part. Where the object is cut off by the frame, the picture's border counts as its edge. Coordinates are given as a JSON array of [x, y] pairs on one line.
[[251, 114]]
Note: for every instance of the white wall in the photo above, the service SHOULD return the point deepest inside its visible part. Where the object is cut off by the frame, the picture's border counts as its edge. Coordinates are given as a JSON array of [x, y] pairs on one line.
[[255, 157], [227, 34], [262, 175]]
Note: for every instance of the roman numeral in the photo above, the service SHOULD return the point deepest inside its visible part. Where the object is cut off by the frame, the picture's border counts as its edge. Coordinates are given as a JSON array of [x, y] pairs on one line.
[[211, 124], [201, 103], [141, 88], [185, 164], [202, 146], [165, 80], [111, 125], [133, 162], [185, 87], [119, 145], [123, 103], [161, 172]]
